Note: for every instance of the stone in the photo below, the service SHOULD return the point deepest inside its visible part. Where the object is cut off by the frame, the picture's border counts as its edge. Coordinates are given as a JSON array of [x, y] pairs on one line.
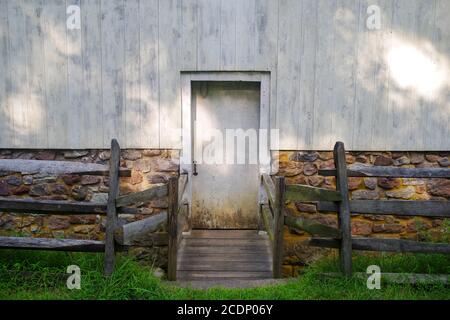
[[104, 155], [151, 153], [440, 188], [389, 183], [349, 158], [421, 189], [23, 189], [39, 190], [305, 207], [99, 197], [44, 178], [396, 155], [361, 158], [361, 228], [131, 154], [309, 169], [4, 190], [135, 178], [14, 180], [290, 169], [157, 178], [71, 179], [365, 195], [79, 193], [58, 223], [412, 182], [304, 156], [90, 180], [432, 157], [388, 228], [84, 229], [403, 160], [58, 189], [354, 183], [325, 155], [28, 180], [444, 162], [416, 158], [404, 193], [82, 219], [167, 165], [315, 181], [73, 154], [159, 204], [370, 183], [46, 155], [143, 165], [383, 161], [329, 164]]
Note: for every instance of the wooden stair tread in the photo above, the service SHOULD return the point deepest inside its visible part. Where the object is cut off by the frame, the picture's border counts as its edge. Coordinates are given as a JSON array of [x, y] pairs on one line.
[[224, 255]]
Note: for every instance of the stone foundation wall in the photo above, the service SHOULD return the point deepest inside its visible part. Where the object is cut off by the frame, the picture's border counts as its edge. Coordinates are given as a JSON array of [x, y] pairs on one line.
[[302, 168], [155, 166], [148, 167]]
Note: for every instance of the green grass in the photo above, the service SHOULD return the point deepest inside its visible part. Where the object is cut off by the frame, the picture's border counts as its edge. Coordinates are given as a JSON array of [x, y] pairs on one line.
[[134, 281]]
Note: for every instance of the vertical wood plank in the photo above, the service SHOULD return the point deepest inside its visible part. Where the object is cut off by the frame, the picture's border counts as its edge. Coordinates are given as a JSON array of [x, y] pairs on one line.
[[169, 56], [245, 35], [6, 123], [76, 108], [288, 73], [172, 227], [113, 51], [133, 121], [379, 110], [111, 216], [92, 117], [149, 72], [228, 34], [278, 232], [55, 43], [324, 71], [345, 48], [439, 114], [266, 33], [18, 95], [307, 54], [189, 34], [344, 209], [208, 35], [37, 129]]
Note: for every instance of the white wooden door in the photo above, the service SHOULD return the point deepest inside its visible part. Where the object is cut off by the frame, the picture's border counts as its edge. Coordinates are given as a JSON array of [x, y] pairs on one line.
[[225, 195]]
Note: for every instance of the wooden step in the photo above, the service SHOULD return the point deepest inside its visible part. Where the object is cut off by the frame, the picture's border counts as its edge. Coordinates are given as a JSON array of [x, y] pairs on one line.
[[224, 255]]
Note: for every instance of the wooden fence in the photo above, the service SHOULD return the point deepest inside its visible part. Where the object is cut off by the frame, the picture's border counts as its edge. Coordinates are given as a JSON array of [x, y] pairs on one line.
[[117, 237], [274, 213]]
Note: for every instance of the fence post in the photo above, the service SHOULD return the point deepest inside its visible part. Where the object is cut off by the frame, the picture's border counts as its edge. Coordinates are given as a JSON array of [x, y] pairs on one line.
[[111, 216], [278, 227], [172, 228], [345, 252]]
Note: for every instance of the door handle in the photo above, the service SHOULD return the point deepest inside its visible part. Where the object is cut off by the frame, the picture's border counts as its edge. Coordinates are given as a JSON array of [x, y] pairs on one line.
[[194, 171]]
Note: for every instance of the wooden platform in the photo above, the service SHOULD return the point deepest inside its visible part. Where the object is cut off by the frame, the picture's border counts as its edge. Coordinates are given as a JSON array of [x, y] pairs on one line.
[[224, 255]]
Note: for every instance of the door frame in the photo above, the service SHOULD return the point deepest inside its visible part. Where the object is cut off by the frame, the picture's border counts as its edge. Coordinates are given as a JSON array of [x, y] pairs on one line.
[[187, 77]]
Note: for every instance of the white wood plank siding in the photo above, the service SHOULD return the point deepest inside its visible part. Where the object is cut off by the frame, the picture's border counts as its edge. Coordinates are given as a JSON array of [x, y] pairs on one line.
[[331, 78]]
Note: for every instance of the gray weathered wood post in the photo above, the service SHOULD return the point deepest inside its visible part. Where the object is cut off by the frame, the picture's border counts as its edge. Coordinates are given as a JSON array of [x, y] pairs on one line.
[[172, 228], [278, 227], [111, 216], [345, 252]]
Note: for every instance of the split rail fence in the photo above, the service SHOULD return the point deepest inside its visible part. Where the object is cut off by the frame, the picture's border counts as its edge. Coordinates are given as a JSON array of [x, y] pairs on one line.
[[275, 215], [117, 237]]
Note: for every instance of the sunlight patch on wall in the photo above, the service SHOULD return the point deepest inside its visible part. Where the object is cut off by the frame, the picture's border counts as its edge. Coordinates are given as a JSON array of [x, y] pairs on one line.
[[417, 67]]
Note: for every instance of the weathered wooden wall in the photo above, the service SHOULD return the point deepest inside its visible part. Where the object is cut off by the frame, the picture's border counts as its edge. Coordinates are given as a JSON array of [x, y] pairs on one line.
[[119, 76]]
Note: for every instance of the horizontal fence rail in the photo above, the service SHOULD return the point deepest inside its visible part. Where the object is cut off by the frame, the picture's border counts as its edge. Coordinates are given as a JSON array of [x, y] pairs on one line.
[[388, 245], [157, 191], [392, 172], [51, 244], [425, 208], [297, 192], [58, 167]]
